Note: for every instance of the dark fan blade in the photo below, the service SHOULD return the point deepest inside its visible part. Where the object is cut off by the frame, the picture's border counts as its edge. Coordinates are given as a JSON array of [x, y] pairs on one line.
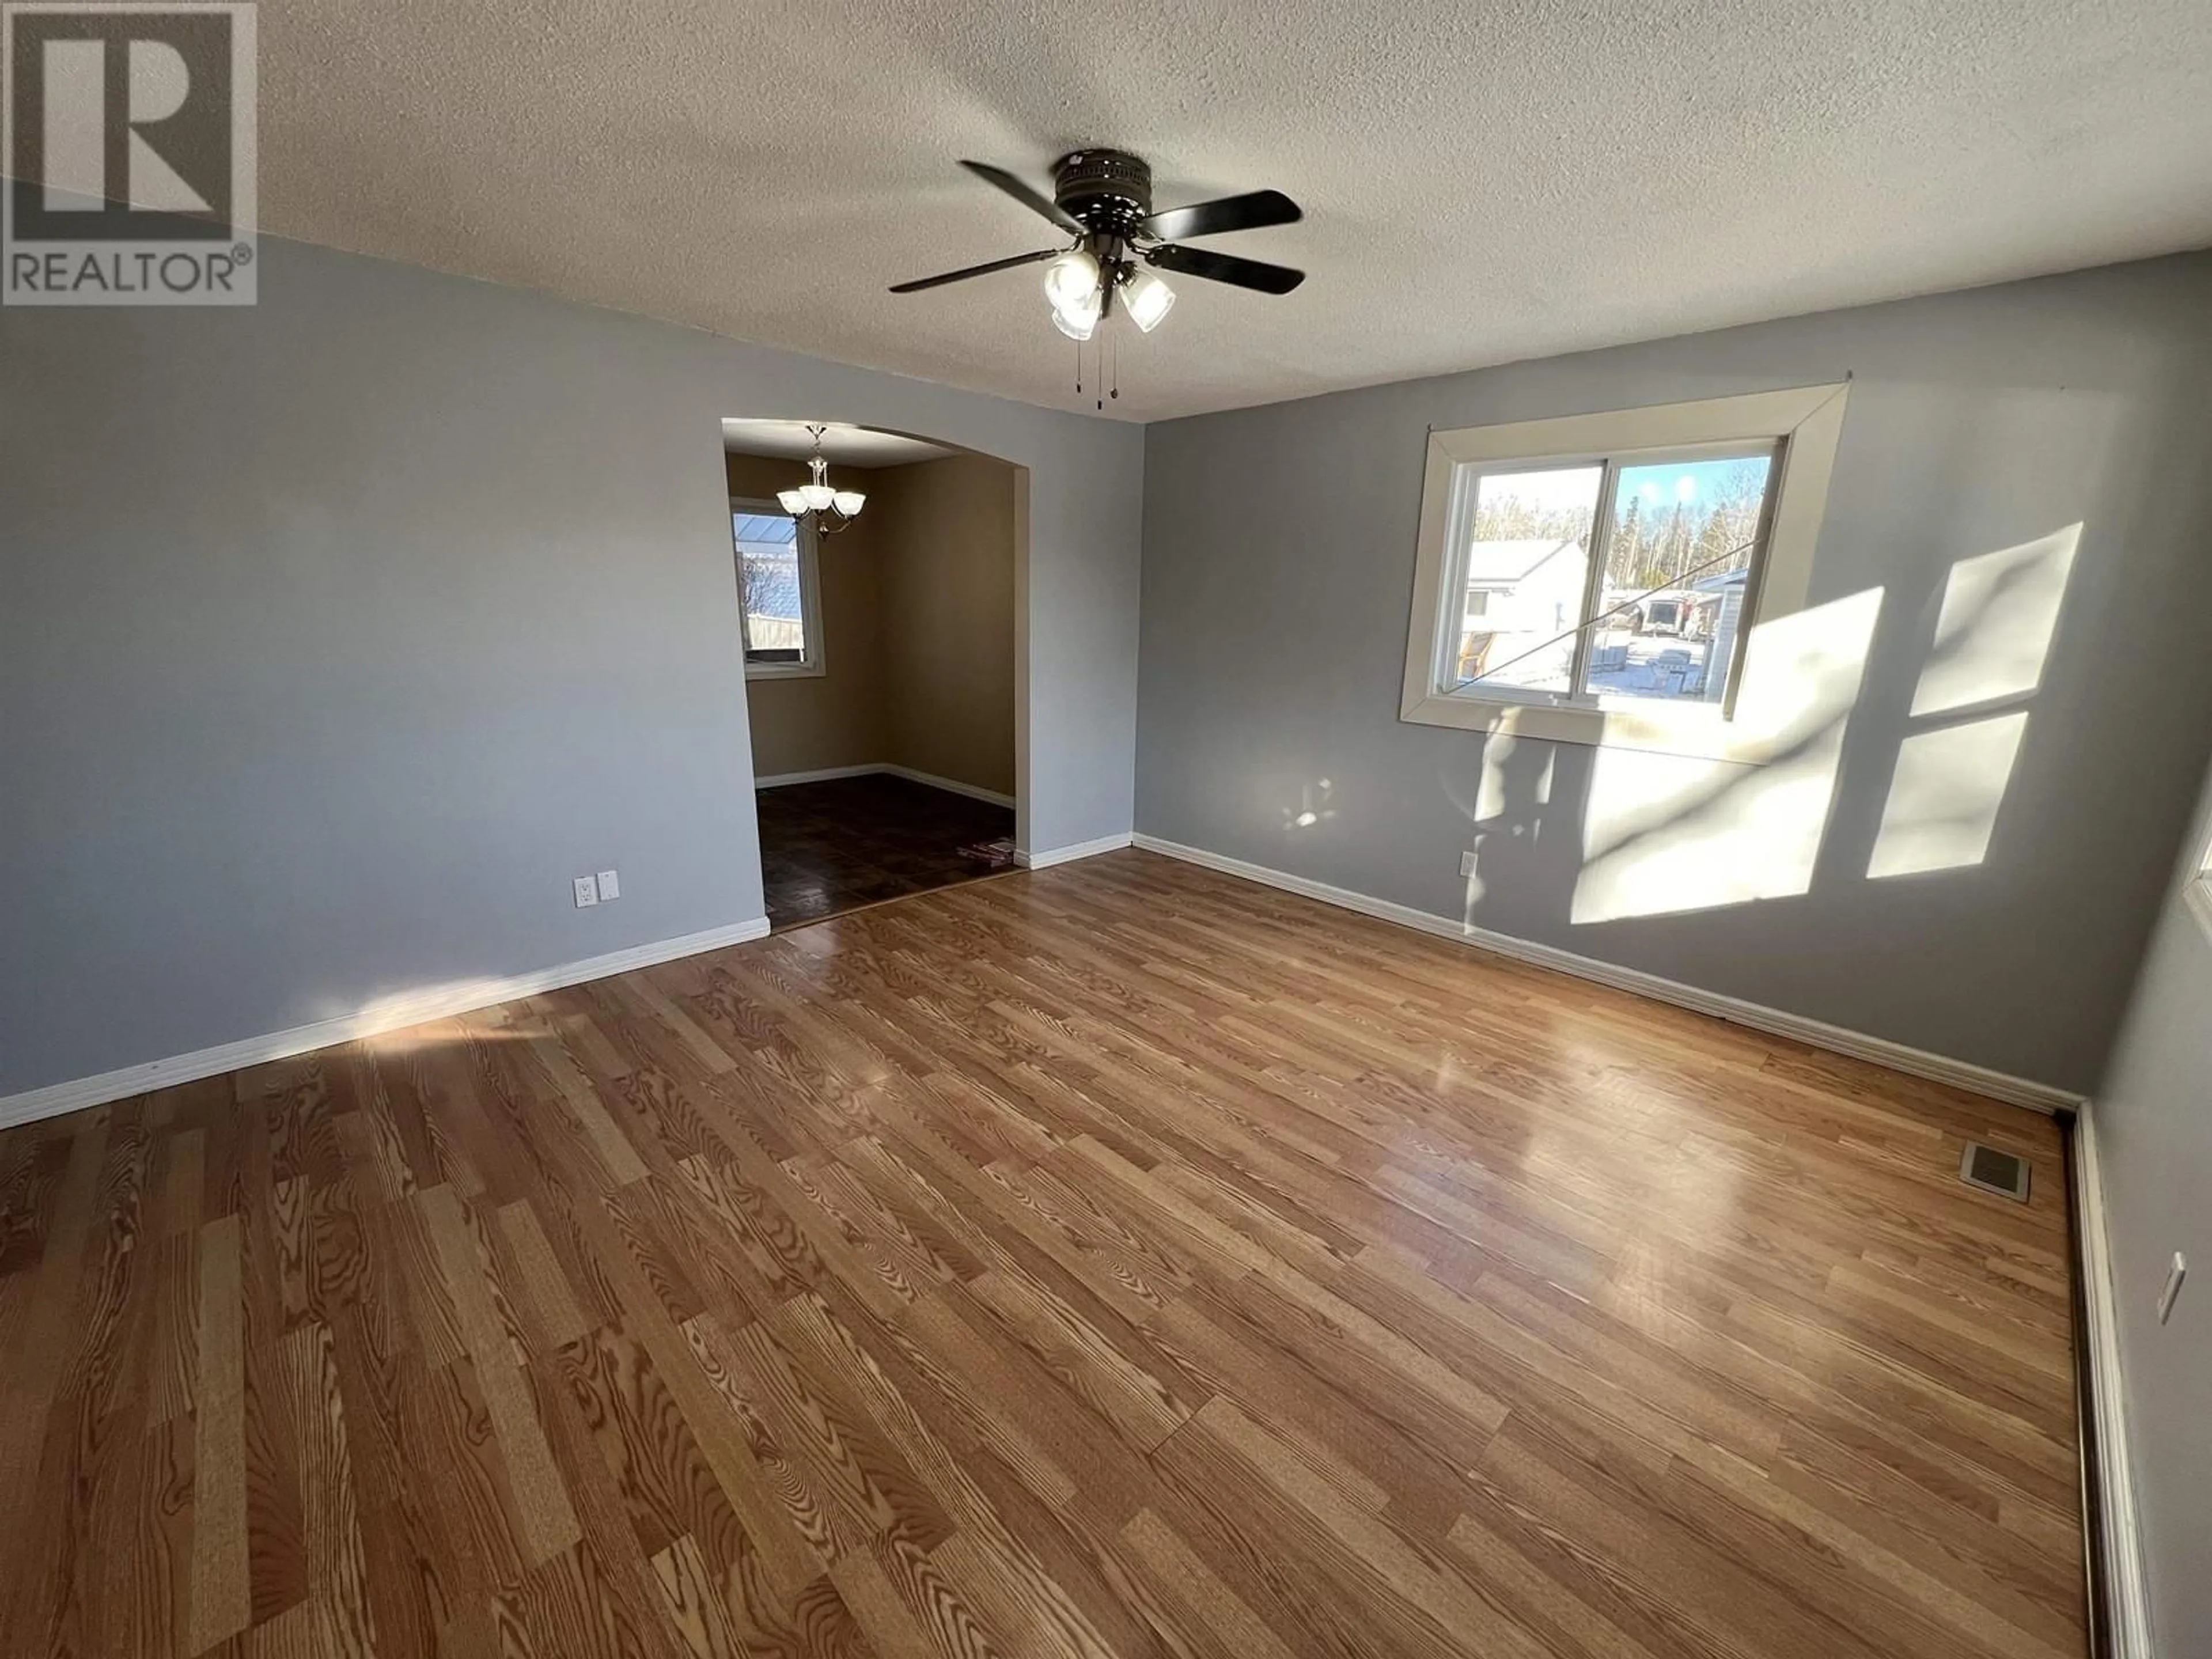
[[919, 283], [1226, 268], [1028, 197], [1250, 212]]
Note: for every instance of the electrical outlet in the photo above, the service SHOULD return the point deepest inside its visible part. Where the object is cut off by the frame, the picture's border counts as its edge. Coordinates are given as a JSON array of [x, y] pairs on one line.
[[587, 893], [1467, 863], [610, 886], [2174, 1275]]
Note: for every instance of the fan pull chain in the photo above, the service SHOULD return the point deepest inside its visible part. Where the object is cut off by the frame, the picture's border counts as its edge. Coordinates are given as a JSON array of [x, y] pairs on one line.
[[1105, 369]]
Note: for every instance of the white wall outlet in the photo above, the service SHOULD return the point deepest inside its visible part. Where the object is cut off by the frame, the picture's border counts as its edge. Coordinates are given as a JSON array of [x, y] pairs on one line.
[[587, 893], [610, 886], [1467, 863], [2174, 1275]]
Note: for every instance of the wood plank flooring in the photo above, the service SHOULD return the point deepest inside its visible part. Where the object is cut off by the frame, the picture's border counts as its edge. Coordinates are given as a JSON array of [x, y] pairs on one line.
[[1117, 1259], [842, 843]]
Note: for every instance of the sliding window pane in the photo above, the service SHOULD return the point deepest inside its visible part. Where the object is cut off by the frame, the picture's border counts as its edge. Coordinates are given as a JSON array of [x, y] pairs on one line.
[[1677, 570], [1522, 580]]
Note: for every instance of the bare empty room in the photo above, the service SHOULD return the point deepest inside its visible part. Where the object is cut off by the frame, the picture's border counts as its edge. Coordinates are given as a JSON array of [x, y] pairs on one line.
[[1125, 835]]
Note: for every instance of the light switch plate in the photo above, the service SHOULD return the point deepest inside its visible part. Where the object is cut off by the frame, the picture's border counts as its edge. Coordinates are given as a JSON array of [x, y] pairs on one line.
[[610, 886], [587, 893], [1467, 863]]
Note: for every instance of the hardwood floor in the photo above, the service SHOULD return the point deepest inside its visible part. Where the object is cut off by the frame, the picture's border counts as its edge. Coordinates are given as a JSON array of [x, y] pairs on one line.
[[838, 845], [1117, 1260]]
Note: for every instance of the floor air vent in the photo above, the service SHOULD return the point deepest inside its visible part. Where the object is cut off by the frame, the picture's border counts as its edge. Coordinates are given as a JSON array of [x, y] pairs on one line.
[[2002, 1173]]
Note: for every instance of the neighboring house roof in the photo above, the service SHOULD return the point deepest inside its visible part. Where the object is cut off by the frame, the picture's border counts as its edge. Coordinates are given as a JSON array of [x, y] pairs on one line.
[[1501, 565]]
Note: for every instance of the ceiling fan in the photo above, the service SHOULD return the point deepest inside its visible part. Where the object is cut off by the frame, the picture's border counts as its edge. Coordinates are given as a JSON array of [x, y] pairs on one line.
[[1102, 200]]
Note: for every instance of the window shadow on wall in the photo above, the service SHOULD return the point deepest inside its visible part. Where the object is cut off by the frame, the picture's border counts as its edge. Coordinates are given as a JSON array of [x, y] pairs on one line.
[[1606, 835]]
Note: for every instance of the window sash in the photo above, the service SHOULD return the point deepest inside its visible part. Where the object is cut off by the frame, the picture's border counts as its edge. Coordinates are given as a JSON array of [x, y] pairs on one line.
[[1451, 604], [772, 661], [1466, 488]]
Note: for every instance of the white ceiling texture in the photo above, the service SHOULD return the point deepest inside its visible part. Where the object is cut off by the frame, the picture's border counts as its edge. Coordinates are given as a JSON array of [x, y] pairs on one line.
[[1482, 182]]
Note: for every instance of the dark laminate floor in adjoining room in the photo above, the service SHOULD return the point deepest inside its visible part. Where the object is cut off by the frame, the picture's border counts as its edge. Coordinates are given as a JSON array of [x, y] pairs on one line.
[[836, 846], [1119, 1260]]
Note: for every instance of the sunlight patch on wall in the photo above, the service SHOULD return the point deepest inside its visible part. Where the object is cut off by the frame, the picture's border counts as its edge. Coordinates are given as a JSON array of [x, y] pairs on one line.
[[1944, 798], [1664, 833], [1317, 804], [1994, 631]]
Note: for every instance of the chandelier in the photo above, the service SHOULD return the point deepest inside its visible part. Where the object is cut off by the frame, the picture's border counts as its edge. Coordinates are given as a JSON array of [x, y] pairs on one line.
[[831, 510]]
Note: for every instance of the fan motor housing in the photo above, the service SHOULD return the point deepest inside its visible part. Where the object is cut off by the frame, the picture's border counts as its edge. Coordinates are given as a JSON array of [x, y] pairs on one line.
[[1108, 190]]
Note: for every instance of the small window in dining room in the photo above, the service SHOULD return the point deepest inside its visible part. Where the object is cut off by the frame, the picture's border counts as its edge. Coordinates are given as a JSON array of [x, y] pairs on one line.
[[780, 592]]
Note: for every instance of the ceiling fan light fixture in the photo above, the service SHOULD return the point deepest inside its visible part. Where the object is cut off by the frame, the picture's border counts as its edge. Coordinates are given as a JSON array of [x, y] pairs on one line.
[[1071, 283], [1147, 300], [1102, 201]]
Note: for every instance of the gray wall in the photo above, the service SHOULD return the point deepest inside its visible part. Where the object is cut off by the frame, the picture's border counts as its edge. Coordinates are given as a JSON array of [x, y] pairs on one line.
[[337, 635], [1278, 570], [2154, 1154]]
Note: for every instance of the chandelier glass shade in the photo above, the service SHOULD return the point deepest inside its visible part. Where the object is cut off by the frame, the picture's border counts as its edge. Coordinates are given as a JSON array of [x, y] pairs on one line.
[[831, 509]]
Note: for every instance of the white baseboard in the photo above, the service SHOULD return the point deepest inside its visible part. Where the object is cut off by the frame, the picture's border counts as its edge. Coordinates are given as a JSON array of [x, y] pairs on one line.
[[1082, 849], [975, 792], [387, 1014], [2128, 1602], [1918, 1062], [821, 774]]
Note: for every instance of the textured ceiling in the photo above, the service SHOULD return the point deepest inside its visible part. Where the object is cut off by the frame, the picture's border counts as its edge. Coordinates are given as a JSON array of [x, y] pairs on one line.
[[1482, 182], [847, 445]]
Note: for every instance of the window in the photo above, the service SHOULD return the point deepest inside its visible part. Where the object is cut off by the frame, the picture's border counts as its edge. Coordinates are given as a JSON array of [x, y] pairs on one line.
[[1598, 579], [778, 590]]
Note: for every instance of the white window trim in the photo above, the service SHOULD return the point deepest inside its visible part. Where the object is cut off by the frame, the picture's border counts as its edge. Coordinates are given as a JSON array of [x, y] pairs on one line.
[[1806, 421], [813, 661]]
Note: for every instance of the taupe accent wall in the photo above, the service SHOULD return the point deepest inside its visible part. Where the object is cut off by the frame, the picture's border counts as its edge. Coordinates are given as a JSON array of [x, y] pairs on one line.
[[917, 626], [947, 537], [811, 723]]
